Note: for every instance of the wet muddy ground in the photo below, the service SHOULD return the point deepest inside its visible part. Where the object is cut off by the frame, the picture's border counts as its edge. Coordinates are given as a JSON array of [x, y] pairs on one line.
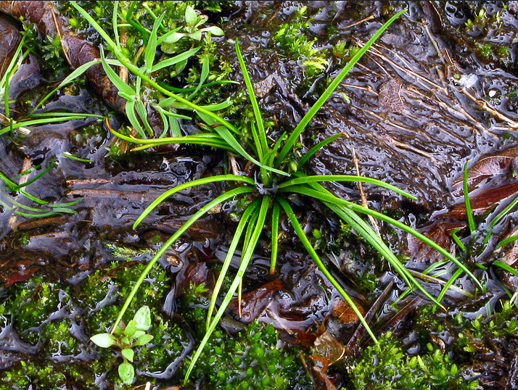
[[433, 94]]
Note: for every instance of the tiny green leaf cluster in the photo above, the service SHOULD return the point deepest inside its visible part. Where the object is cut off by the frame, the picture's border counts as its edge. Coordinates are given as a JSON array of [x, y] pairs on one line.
[[133, 335]]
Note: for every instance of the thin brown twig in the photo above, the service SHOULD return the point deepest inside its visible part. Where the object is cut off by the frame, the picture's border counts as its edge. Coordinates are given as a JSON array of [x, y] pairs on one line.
[[362, 194]]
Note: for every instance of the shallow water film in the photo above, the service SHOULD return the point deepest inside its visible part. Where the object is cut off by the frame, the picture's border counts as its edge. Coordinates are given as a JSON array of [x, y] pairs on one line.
[[258, 195]]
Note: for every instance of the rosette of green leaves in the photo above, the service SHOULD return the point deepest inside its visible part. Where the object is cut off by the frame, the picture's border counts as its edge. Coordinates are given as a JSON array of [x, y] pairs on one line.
[[133, 335]]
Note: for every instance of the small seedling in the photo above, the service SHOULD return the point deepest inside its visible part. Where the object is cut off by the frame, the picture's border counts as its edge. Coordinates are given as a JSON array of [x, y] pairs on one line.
[[133, 335]]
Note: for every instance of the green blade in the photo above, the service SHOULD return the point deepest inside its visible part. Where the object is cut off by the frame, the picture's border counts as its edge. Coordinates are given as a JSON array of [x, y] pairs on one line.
[[303, 238], [340, 202], [230, 254], [245, 259], [220, 199], [316, 179], [263, 146], [292, 139], [194, 183]]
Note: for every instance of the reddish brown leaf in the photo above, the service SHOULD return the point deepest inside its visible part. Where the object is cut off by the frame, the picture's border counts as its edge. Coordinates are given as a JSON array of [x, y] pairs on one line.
[[485, 168], [345, 313], [440, 233], [254, 302], [482, 200], [10, 37], [306, 339], [20, 276]]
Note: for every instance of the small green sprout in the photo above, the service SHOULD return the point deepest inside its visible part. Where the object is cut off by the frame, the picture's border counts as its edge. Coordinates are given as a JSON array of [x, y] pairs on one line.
[[133, 335], [192, 29]]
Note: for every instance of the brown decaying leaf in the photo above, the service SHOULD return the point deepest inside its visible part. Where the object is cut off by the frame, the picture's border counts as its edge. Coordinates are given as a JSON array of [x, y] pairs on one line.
[[485, 168], [20, 276], [328, 346], [255, 302], [483, 200], [319, 369], [345, 313], [10, 38], [440, 233]]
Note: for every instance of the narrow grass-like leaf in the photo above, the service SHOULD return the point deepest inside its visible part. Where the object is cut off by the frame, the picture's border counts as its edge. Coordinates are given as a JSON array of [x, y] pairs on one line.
[[317, 147], [141, 111], [65, 204], [144, 32], [505, 267], [447, 286], [177, 116], [220, 199], [69, 115], [506, 241], [340, 202], [275, 236], [212, 140], [114, 77], [364, 230], [190, 89], [503, 213], [176, 131], [255, 107], [245, 259], [194, 183], [230, 254], [8, 182], [43, 121], [94, 24], [456, 239], [152, 43], [192, 140], [269, 157], [231, 140], [115, 24], [21, 205], [203, 76], [309, 248], [469, 214], [171, 102], [257, 143], [38, 215], [17, 187], [4, 82], [130, 114], [316, 179], [165, 120], [329, 90], [33, 198], [175, 60]]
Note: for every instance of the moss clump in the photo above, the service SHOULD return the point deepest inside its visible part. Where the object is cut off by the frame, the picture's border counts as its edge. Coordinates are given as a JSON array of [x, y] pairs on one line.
[[30, 375], [291, 38], [481, 345], [251, 361], [31, 304], [384, 366]]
